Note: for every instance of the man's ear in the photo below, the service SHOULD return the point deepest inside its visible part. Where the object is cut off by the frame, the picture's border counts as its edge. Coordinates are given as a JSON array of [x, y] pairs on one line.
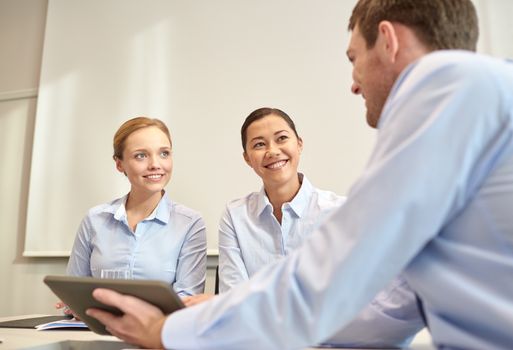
[[388, 41]]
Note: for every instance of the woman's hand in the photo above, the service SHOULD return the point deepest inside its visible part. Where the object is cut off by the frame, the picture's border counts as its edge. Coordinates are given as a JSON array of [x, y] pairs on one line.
[[66, 310], [196, 299]]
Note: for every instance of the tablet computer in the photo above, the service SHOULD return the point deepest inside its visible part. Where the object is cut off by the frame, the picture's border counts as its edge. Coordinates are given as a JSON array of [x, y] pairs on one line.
[[76, 292]]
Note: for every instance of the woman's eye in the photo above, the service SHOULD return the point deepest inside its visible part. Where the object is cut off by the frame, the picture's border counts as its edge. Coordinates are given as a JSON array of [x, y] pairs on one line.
[[140, 156], [283, 138], [258, 145], [165, 154]]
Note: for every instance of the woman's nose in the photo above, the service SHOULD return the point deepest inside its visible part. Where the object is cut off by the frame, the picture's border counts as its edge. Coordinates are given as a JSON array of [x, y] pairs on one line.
[[154, 162], [273, 152], [355, 89]]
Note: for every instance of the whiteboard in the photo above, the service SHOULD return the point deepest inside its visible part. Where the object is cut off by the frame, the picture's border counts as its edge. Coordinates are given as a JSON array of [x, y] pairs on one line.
[[201, 66]]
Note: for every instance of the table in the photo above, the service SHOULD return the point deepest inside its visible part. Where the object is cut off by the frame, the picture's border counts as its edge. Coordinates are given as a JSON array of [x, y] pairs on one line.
[[20, 338], [17, 338]]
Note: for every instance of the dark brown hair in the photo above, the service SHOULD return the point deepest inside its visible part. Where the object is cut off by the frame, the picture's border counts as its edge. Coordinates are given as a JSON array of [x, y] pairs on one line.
[[261, 113], [132, 125], [438, 24]]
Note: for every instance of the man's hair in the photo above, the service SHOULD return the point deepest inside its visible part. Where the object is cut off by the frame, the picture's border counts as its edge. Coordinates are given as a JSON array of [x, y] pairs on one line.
[[438, 24]]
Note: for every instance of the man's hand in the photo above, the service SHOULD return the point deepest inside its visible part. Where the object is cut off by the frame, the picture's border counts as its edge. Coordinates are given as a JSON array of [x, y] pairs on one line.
[[141, 323]]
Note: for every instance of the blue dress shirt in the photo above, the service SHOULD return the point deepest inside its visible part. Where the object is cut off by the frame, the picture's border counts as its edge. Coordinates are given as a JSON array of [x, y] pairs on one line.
[[434, 200], [169, 245]]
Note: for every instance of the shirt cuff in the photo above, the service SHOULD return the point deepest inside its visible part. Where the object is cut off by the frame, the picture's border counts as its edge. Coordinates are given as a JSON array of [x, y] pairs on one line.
[[178, 330]]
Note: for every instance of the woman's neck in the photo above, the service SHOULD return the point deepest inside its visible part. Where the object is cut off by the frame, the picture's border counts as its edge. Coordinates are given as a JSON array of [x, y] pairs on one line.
[[140, 205], [278, 195]]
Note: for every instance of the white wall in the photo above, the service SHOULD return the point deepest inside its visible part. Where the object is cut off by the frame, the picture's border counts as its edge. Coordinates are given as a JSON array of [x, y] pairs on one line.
[[22, 25], [200, 66]]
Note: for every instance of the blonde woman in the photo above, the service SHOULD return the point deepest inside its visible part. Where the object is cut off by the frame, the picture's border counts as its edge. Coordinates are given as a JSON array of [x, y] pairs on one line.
[[144, 231]]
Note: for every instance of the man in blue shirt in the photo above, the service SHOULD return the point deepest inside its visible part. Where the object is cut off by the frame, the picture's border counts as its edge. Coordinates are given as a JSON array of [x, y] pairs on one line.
[[444, 154]]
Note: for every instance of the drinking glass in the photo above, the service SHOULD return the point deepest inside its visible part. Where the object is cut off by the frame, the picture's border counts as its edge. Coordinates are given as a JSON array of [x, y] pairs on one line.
[[123, 273]]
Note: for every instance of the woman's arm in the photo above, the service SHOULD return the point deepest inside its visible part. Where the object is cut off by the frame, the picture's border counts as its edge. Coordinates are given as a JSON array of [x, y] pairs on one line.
[[192, 261], [232, 269]]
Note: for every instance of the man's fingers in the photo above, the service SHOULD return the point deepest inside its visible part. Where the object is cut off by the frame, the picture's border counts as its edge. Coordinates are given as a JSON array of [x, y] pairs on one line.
[[113, 324], [107, 296], [103, 316], [126, 303], [141, 322]]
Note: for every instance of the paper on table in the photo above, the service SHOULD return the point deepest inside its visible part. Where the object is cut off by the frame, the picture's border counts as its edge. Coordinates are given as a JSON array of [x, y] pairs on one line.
[[62, 324]]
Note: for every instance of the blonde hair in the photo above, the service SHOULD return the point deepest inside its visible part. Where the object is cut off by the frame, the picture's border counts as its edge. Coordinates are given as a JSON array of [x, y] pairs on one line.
[[132, 125]]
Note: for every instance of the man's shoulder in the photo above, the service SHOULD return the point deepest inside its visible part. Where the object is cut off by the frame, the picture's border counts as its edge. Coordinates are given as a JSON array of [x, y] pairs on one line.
[[454, 63], [458, 71], [450, 57]]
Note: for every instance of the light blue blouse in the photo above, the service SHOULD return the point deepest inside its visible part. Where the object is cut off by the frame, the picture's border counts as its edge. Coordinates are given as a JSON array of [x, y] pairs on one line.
[[250, 237], [169, 245], [434, 201]]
